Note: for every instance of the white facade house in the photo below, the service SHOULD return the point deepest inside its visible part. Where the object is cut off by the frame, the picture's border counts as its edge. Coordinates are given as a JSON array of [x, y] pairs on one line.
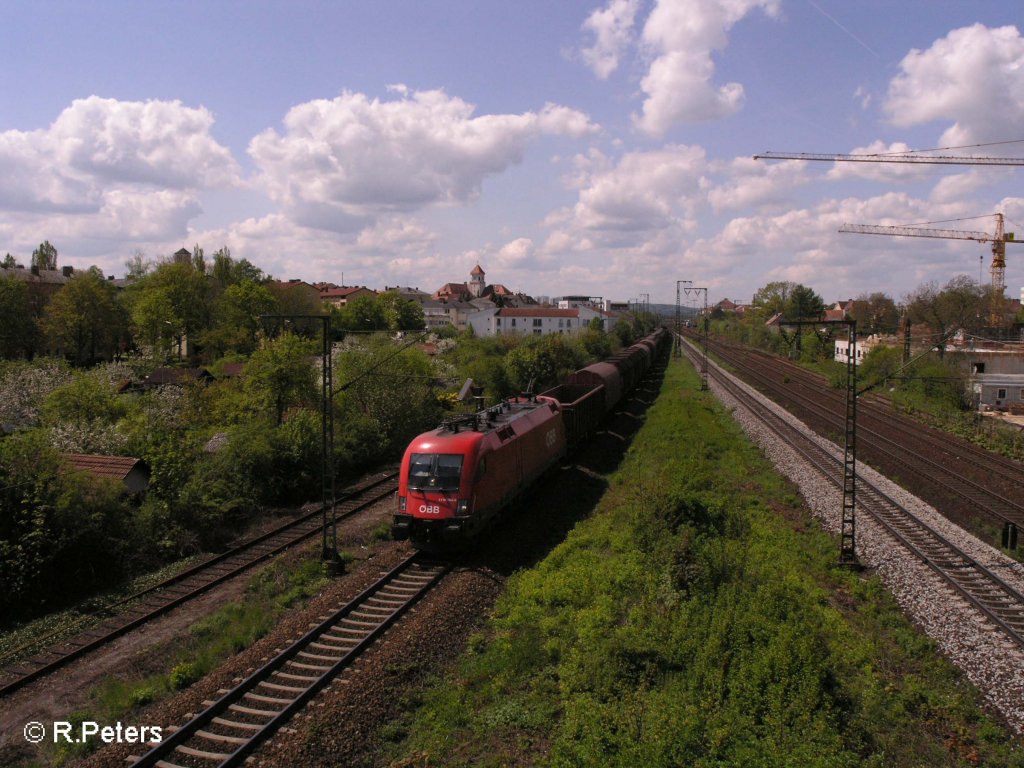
[[537, 321], [438, 314], [865, 345]]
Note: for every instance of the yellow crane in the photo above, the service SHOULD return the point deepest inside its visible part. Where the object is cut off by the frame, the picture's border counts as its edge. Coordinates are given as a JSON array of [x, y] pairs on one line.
[[998, 240], [920, 157]]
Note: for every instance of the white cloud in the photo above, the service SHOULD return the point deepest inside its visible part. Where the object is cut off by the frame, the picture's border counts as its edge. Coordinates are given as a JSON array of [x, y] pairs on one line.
[[159, 143], [521, 256], [680, 36], [396, 235], [107, 173], [644, 192], [98, 146], [754, 184], [343, 161], [973, 77], [612, 27]]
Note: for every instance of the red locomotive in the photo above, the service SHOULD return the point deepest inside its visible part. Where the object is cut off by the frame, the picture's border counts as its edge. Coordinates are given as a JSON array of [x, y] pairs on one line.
[[455, 479]]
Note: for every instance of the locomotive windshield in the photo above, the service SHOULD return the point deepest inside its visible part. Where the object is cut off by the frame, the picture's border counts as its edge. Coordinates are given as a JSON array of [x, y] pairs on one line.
[[435, 471]]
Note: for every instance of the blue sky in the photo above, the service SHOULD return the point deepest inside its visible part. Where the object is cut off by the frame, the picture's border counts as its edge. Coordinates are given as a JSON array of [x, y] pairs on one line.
[[600, 148]]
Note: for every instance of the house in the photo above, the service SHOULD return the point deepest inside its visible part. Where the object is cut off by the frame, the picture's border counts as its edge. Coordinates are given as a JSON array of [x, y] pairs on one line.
[[438, 314], [477, 290], [537, 321], [176, 377], [409, 293], [130, 472], [996, 372], [865, 345], [339, 297]]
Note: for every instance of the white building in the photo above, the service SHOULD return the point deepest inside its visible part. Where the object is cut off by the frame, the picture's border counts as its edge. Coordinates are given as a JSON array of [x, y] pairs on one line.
[[863, 346], [537, 321], [438, 314]]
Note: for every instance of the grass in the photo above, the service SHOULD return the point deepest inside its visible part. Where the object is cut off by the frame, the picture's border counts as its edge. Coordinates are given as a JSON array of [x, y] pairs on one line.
[[208, 642], [698, 618], [65, 623]]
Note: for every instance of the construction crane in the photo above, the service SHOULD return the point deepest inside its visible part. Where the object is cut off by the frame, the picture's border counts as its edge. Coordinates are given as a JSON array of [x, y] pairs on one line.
[[998, 240], [908, 157]]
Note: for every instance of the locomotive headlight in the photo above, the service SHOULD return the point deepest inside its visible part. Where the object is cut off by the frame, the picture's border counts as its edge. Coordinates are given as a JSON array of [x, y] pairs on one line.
[[462, 508], [401, 503]]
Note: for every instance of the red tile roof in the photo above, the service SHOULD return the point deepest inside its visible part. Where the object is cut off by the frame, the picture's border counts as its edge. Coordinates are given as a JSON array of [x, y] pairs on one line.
[[112, 467], [344, 291]]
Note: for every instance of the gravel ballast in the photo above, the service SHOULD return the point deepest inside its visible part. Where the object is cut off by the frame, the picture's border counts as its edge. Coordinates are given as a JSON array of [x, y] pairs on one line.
[[991, 662]]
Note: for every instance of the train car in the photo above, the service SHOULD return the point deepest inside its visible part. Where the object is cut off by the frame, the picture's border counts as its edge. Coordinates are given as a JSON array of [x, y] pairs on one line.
[[605, 375], [456, 479], [582, 407]]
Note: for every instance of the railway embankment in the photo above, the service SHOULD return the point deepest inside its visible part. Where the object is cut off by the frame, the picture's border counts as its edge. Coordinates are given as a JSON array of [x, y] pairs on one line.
[[697, 617]]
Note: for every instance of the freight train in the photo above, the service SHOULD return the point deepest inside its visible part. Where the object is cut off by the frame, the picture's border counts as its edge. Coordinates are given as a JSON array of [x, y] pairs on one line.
[[457, 478]]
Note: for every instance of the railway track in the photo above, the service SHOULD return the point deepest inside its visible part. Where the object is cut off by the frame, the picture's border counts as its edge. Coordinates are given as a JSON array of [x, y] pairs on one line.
[[144, 606], [231, 727], [873, 408], [885, 436], [998, 600]]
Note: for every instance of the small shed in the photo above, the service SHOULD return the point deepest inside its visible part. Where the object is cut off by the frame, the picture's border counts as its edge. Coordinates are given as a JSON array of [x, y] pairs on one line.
[[131, 472], [179, 377]]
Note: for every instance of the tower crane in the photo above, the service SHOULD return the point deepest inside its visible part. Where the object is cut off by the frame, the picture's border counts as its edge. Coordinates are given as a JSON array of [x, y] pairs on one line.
[[998, 240], [920, 157], [908, 157]]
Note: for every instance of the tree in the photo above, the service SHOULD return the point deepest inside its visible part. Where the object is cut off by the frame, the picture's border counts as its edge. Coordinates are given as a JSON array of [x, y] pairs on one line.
[[803, 303], [173, 298], [17, 326], [773, 297], [875, 313], [363, 313], [401, 314], [9, 262], [45, 256], [387, 397], [137, 265], [280, 374], [85, 319], [226, 271], [198, 259], [957, 305], [237, 317]]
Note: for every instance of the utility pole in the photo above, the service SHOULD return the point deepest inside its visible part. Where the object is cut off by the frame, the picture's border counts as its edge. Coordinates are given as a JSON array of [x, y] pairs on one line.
[[848, 525], [690, 290], [329, 534]]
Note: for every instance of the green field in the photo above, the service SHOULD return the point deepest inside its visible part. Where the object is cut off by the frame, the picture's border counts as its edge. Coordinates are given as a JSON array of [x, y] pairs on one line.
[[698, 618]]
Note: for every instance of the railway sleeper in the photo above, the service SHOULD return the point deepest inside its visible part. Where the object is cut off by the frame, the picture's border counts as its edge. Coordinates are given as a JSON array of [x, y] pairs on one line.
[[325, 647], [316, 656], [282, 688], [221, 737], [290, 676], [251, 711], [267, 699], [393, 602], [219, 756], [235, 724], [312, 667]]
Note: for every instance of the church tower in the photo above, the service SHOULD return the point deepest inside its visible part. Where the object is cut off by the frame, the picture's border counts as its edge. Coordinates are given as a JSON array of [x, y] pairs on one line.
[[477, 282]]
